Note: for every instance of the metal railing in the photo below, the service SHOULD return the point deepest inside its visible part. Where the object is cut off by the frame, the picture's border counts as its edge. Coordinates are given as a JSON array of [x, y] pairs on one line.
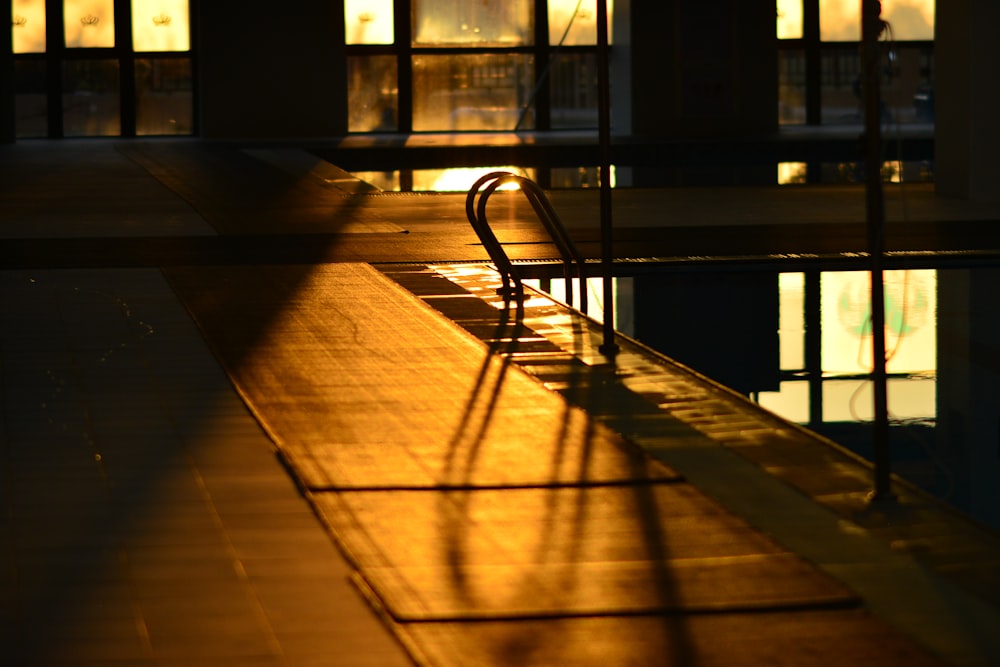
[[512, 287]]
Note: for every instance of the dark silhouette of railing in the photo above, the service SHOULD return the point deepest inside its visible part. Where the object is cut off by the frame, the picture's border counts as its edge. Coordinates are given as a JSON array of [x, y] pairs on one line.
[[512, 287]]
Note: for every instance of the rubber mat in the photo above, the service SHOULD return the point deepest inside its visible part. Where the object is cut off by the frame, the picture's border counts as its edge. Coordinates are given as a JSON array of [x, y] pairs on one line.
[[527, 553], [506, 546], [362, 385]]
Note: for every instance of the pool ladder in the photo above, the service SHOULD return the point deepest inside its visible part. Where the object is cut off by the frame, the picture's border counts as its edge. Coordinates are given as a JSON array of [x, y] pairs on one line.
[[512, 287]]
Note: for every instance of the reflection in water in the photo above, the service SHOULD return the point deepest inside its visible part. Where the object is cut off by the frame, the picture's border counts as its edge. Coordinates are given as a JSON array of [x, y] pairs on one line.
[[943, 337], [843, 365]]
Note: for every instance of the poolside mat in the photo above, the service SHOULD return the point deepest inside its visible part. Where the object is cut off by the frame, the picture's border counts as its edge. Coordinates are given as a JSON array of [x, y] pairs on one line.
[[587, 567], [238, 193], [362, 385], [528, 553]]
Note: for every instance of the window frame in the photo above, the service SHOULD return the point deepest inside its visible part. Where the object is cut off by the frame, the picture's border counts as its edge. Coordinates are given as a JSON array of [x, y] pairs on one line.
[[814, 48], [56, 54], [540, 51]]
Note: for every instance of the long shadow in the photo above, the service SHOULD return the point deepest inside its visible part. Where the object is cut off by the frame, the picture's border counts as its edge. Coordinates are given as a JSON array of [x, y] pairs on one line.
[[588, 387], [208, 177], [584, 387], [459, 466]]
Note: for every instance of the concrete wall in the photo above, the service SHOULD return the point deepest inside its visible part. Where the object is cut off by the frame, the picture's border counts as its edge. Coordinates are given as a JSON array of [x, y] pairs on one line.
[[967, 82], [269, 74], [703, 68]]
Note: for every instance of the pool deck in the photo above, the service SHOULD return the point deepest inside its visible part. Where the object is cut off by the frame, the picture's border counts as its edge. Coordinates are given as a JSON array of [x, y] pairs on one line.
[[255, 413]]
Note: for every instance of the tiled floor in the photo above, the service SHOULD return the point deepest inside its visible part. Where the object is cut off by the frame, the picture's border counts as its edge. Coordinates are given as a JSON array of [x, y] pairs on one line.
[[146, 518]]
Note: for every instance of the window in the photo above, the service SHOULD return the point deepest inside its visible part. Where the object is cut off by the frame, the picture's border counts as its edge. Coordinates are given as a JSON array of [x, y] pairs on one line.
[[116, 69], [819, 62], [453, 65]]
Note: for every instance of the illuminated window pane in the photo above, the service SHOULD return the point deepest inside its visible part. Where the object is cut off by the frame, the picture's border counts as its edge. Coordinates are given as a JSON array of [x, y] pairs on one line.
[[911, 20], [163, 96], [160, 25], [372, 94], [906, 86], [91, 100], [789, 19], [482, 22], [791, 87], [368, 21], [89, 23], [840, 86], [840, 20], [470, 92], [28, 23], [909, 93], [791, 173], [458, 179], [30, 99], [573, 91], [574, 23]]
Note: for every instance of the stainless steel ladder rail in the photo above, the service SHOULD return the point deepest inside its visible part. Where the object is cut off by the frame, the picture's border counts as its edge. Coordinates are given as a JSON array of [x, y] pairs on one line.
[[476, 212]]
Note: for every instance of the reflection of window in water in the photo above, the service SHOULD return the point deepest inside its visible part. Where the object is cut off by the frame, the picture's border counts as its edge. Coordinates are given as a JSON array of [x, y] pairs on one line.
[[846, 348]]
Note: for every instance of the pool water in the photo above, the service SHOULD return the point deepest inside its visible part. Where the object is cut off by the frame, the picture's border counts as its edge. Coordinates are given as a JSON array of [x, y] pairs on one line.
[[800, 345]]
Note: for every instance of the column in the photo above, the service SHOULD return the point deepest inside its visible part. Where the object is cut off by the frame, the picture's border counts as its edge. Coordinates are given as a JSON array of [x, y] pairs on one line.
[[967, 83]]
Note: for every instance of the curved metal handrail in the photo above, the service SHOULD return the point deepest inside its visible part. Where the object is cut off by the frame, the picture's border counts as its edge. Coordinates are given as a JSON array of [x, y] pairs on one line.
[[476, 212]]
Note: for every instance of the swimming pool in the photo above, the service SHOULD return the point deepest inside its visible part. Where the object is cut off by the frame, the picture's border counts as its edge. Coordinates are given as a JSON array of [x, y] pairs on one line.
[[799, 344]]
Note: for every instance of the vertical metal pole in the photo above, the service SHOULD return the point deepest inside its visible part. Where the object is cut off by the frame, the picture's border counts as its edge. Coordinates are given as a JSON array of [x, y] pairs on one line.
[[871, 27], [608, 348], [814, 345]]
